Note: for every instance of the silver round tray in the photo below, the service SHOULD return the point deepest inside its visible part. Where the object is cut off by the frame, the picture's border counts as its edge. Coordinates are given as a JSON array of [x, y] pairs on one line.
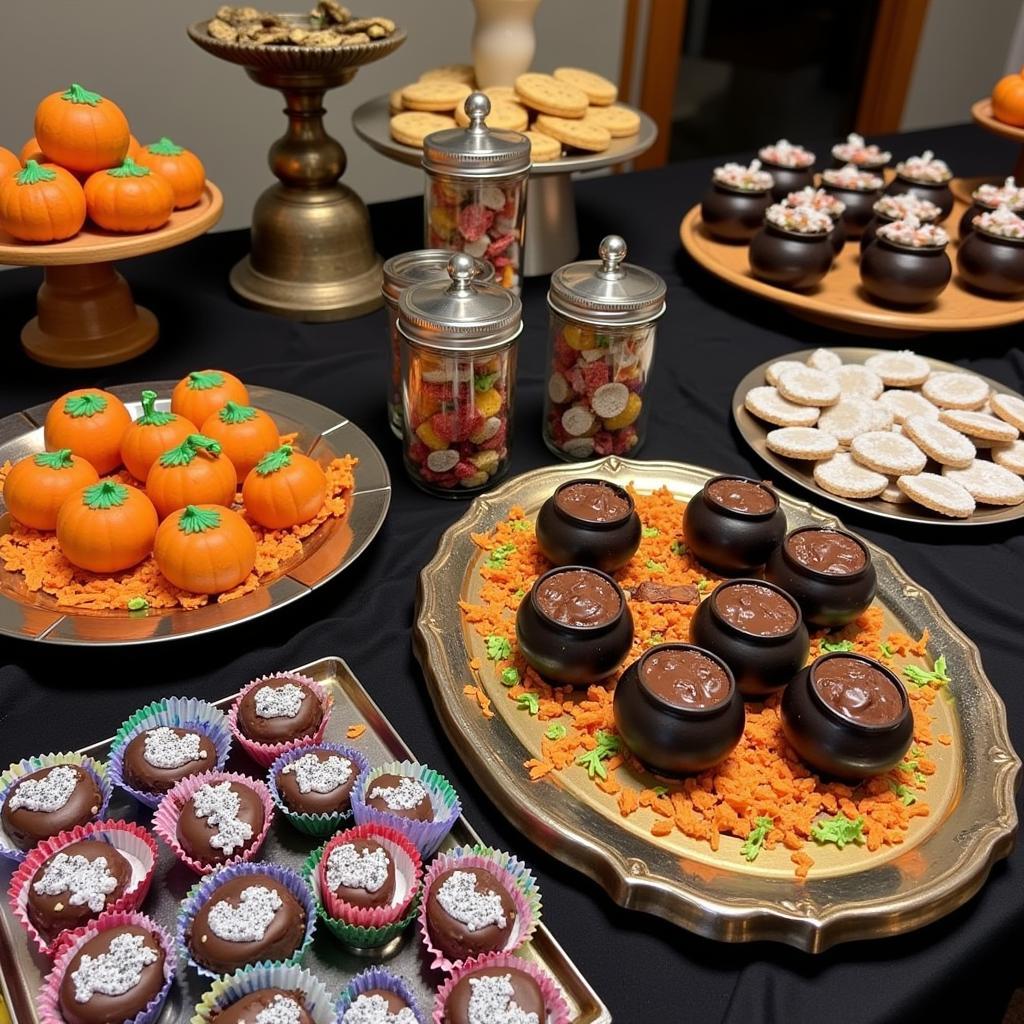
[[322, 434], [754, 432]]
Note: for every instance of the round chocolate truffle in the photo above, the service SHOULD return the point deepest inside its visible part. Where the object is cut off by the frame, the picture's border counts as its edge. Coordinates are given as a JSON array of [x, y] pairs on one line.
[[494, 993], [361, 873], [158, 759], [469, 912], [49, 801], [75, 885], [374, 1004], [112, 977], [284, 1007], [318, 782], [279, 710], [401, 795], [219, 821], [249, 918]]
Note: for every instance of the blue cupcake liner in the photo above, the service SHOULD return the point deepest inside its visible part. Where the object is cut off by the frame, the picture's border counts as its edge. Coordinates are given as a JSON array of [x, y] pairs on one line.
[[376, 977], [175, 713], [426, 836], [16, 772], [289, 977], [317, 825], [201, 891]]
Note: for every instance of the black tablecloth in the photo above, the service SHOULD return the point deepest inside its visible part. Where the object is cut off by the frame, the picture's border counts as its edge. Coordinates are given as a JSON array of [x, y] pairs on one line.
[[646, 970]]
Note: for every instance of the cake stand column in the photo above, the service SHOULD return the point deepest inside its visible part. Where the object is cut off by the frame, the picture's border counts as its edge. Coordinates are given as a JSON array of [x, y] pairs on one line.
[[312, 254], [552, 238]]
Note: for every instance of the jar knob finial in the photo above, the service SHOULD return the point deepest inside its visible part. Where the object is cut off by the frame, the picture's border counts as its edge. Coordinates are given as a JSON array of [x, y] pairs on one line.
[[612, 251], [477, 107], [462, 270]]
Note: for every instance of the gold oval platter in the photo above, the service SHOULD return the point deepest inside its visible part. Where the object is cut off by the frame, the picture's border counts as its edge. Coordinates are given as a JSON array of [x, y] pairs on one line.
[[966, 783], [320, 432]]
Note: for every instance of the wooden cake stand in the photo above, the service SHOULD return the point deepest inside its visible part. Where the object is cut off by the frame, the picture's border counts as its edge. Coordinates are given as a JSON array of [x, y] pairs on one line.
[[85, 313]]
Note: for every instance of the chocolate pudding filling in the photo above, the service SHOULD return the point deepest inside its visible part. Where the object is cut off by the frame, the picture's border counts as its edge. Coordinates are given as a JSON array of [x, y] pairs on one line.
[[858, 691], [827, 552], [755, 609], [685, 679], [592, 502], [741, 496], [578, 597]]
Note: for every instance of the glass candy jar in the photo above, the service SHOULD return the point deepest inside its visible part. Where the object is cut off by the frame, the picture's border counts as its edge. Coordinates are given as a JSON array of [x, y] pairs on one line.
[[458, 341], [401, 272], [601, 346], [475, 197]]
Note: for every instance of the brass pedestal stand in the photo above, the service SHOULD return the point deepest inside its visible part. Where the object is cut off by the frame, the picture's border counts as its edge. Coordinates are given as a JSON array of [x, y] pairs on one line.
[[312, 255]]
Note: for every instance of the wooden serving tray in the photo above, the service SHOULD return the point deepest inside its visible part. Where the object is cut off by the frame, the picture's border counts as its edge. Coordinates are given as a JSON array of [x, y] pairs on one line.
[[840, 303]]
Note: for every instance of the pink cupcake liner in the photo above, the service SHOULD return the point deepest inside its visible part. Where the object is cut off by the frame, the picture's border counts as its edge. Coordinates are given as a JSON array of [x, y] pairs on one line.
[[48, 1000], [515, 885], [376, 978], [554, 1002], [165, 821], [265, 754], [407, 863], [131, 841], [10, 778]]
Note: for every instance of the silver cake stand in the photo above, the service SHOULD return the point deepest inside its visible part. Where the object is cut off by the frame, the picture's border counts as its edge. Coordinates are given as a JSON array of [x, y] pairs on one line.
[[552, 238]]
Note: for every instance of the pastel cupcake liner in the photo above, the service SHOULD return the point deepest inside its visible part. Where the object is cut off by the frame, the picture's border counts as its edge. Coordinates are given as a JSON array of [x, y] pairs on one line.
[[512, 873], [232, 987], [365, 928], [16, 772], [165, 821], [174, 713], [554, 1001], [202, 890], [265, 754], [380, 978], [48, 1000], [131, 841], [317, 825], [426, 836]]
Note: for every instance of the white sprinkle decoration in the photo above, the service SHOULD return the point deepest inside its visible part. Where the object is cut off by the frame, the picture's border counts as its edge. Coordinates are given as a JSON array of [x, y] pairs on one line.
[[374, 1010], [164, 748], [852, 178], [786, 154], [316, 776], [409, 793], [913, 234], [88, 882], [491, 1002], [461, 900], [1001, 221], [804, 219], [219, 805], [283, 1010], [896, 207], [1007, 194], [357, 869], [747, 179], [926, 167], [279, 701], [249, 921], [115, 972], [818, 199], [854, 150], [50, 793]]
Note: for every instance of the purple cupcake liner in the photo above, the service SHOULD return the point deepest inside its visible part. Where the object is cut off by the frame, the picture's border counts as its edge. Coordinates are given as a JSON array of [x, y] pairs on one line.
[[376, 977], [289, 977], [201, 891], [176, 713]]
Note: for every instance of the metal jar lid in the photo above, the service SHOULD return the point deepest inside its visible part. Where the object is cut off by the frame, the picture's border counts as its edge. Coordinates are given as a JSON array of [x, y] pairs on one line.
[[607, 291], [476, 151], [409, 268], [460, 314]]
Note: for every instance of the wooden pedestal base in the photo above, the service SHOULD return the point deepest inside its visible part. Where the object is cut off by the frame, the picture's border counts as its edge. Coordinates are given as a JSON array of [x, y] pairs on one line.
[[87, 317]]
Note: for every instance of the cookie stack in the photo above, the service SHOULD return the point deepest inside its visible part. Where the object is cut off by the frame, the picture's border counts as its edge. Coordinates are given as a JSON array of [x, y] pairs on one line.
[[570, 109], [895, 429]]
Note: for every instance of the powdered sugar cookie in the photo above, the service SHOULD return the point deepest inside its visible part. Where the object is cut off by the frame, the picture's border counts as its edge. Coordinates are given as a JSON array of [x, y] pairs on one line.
[[547, 95], [436, 94], [1009, 456], [955, 390], [542, 147], [824, 359], [904, 404], [938, 493], [619, 121], [980, 425], [411, 127], [841, 475], [893, 494], [857, 381], [889, 453], [806, 386], [579, 133], [899, 369], [852, 416], [988, 483], [939, 441], [802, 443], [772, 373], [1009, 408], [767, 404], [599, 90]]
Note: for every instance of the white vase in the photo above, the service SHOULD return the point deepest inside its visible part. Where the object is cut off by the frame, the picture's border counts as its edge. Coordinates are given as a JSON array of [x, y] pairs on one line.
[[503, 40]]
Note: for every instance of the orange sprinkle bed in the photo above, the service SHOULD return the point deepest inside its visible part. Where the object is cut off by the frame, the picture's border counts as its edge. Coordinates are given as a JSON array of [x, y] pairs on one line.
[[37, 556], [762, 777]]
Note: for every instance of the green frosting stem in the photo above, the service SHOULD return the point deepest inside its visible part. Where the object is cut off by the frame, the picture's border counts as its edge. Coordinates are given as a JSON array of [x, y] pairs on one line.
[[235, 413], [33, 173], [128, 169], [204, 380], [105, 494], [189, 449], [151, 416], [85, 405], [60, 459], [275, 460], [79, 94], [198, 520], [165, 147]]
